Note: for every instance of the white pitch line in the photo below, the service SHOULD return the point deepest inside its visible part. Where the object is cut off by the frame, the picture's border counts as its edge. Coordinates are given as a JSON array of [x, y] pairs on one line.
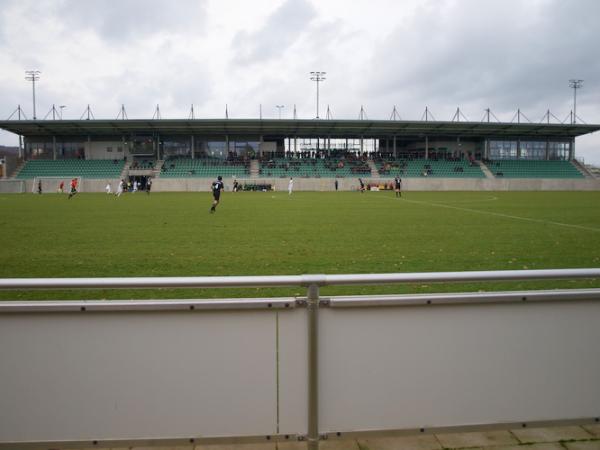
[[508, 216], [491, 199]]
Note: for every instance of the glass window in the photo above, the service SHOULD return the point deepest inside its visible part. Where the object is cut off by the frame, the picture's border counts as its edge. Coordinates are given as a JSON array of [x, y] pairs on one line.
[[503, 149]]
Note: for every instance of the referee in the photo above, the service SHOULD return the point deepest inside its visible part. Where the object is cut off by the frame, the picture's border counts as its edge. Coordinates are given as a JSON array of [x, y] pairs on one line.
[[217, 187]]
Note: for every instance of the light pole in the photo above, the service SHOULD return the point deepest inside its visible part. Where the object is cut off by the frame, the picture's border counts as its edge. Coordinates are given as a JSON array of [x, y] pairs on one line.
[[575, 84], [33, 76], [279, 107], [61, 110], [317, 76]]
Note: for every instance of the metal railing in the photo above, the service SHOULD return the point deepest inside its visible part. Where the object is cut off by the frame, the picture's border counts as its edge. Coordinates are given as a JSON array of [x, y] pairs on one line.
[[313, 301]]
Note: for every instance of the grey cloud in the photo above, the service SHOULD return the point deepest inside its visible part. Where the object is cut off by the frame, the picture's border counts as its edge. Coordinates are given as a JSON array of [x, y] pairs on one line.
[[506, 55], [281, 30], [131, 19]]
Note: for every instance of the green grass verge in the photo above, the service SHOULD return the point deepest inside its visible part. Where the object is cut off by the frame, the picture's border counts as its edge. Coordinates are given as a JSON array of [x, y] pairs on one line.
[[172, 234]]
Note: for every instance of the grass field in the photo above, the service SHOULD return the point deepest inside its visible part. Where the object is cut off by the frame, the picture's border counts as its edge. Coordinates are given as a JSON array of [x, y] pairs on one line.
[[172, 234]]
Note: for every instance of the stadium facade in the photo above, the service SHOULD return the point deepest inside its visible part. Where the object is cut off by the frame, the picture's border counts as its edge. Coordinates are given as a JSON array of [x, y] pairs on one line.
[[95, 139], [145, 143]]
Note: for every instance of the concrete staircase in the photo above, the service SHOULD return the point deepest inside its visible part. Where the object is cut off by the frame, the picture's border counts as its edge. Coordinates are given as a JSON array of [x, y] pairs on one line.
[[373, 167], [582, 169], [254, 168], [17, 169], [125, 171], [487, 172], [157, 169]]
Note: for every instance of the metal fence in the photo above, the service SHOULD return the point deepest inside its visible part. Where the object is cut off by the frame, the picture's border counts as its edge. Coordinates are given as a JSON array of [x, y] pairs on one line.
[[353, 360]]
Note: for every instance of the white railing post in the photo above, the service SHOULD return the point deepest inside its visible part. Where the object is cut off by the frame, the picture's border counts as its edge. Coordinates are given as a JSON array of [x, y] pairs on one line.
[[313, 367]]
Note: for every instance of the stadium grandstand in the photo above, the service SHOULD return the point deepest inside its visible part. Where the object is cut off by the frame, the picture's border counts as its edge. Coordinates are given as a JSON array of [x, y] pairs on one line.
[[182, 154]]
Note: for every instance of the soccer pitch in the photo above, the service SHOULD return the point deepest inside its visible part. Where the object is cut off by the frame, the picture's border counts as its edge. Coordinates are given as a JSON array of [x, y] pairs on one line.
[[272, 233]]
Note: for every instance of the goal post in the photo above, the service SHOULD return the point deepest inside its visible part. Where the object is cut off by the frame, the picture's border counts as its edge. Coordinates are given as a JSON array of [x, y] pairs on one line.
[[51, 185]]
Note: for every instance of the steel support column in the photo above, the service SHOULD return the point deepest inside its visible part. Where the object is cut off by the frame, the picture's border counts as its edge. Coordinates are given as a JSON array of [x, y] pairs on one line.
[[313, 367]]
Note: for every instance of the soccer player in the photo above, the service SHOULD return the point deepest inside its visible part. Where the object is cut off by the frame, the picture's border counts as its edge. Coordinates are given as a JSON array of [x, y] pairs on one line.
[[61, 187], [73, 188], [217, 187], [108, 188], [120, 188], [398, 186], [362, 186], [148, 185], [39, 186], [235, 185], [290, 186]]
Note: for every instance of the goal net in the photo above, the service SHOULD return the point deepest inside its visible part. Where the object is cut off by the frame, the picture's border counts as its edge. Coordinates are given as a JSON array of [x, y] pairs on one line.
[[51, 185]]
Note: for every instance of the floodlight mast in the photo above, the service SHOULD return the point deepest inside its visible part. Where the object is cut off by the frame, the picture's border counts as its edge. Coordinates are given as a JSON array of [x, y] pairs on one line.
[[317, 77], [33, 76], [575, 84], [279, 107]]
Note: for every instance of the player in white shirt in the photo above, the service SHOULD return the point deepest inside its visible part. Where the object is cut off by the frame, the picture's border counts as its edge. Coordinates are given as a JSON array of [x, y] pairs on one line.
[[135, 186], [120, 189], [108, 188], [290, 186]]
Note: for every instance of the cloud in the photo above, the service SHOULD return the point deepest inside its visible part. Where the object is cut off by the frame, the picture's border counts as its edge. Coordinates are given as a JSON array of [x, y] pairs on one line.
[[133, 19], [500, 54], [280, 31]]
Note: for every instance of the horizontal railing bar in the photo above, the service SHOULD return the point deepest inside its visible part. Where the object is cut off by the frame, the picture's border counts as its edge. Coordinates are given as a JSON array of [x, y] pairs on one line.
[[149, 282], [362, 301], [356, 301], [292, 280], [329, 435], [146, 305], [151, 442], [365, 434], [473, 276]]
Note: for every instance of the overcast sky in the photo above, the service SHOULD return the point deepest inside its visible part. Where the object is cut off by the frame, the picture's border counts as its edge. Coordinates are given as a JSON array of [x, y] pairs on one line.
[[444, 54]]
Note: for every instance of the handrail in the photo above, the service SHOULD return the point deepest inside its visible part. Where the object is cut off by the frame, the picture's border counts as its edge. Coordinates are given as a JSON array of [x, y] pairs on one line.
[[293, 280], [312, 301]]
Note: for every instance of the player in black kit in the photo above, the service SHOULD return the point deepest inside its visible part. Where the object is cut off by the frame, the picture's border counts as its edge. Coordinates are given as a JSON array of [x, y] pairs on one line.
[[398, 186], [217, 187]]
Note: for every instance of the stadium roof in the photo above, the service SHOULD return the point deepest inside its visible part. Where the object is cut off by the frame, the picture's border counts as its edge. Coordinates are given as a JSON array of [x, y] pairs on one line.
[[291, 128]]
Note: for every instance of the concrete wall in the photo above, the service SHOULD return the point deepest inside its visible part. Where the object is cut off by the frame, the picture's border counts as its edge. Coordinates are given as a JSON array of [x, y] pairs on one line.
[[126, 374], [408, 184], [86, 185], [12, 186], [344, 184], [99, 150]]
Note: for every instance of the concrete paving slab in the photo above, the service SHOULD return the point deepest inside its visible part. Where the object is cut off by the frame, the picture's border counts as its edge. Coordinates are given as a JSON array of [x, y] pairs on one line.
[[184, 447], [341, 444], [583, 445], [426, 442], [261, 446], [542, 446], [593, 429], [476, 439], [550, 434], [296, 445]]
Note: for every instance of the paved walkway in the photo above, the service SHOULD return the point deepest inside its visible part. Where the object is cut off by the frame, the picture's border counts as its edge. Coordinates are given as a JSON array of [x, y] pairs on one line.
[[555, 438]]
